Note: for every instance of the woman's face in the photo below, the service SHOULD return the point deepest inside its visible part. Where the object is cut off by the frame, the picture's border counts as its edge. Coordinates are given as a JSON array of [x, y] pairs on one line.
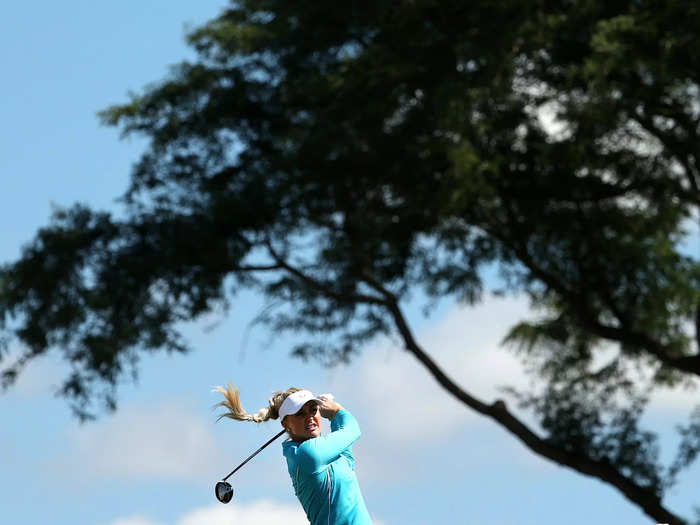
[[305, 424]]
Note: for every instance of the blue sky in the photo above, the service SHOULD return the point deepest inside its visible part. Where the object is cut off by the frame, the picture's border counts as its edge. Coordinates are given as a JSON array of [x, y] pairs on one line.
[[423, 458]]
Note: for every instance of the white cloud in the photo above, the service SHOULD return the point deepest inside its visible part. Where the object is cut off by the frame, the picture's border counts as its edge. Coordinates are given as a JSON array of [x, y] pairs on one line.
[[400, 399], [162, 440], [134, 520], [676, 400], [261, 512], [403, 403]]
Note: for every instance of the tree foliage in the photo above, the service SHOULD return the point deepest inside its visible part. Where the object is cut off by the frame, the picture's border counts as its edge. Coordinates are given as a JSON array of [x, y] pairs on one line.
[[337, 157]]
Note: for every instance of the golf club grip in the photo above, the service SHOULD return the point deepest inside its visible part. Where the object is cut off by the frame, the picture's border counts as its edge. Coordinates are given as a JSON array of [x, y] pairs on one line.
[[253, 455]]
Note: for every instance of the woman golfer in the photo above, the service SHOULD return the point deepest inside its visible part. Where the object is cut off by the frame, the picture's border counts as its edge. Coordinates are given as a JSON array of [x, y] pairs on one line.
[[322, 468]]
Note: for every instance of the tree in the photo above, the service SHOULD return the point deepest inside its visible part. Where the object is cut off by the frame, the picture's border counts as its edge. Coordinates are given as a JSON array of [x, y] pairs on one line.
[[338, 157]]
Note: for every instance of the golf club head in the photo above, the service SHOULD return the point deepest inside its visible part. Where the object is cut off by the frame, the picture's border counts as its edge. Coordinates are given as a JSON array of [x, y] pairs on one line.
[[223, 491]]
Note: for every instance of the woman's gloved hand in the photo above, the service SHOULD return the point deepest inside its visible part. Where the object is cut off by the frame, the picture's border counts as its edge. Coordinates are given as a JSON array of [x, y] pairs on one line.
[[328, 407]]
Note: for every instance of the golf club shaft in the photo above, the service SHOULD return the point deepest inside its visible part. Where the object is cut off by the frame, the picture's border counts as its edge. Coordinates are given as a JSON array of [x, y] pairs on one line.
[[253, 455]]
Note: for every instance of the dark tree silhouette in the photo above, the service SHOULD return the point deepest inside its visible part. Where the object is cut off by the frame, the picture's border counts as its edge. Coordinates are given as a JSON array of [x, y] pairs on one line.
[[336, 157]]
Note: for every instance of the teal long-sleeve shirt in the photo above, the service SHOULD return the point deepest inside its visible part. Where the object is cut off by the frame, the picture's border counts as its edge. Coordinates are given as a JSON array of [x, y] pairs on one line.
[[323, 474]]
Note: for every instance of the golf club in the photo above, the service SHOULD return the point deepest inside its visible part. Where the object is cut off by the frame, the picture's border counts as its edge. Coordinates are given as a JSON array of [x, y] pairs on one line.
[[224, 490]]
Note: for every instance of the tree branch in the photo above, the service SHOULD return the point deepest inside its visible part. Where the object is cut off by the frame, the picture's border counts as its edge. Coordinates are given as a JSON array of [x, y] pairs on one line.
[[674, 148], [621, 334], [257, 268], [603, 470], [324, 288]]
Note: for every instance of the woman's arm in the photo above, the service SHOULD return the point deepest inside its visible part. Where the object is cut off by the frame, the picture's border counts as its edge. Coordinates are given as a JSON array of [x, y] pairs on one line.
[[316, 453]]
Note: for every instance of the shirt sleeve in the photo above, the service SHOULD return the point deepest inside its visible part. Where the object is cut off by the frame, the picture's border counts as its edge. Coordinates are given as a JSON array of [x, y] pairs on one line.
[[316, 454]]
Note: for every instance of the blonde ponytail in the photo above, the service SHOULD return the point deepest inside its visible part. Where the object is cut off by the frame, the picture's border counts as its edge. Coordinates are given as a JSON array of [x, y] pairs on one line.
[[232, 402]]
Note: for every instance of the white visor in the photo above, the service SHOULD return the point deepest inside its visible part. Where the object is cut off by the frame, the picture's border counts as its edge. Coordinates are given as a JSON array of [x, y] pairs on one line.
[[297, 400]]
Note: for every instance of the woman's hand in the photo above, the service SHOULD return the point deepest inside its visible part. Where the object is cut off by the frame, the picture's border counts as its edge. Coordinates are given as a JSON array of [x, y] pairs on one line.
[[329, 408]]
